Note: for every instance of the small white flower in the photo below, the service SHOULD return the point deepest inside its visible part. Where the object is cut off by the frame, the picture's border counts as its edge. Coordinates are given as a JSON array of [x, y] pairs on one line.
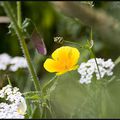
[[83, 65], [18, 62], [5, 58], [82, 81], [109, 73], [4, 61], [3, 66], [90, 70], [86, 70], [91, 61], [1, 94], [17, 106], [14, 63]]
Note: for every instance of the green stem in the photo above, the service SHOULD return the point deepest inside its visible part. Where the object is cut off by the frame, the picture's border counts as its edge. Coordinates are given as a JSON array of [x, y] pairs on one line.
[[91, 49], [9, 80], [95, 61], [73, 43], [117, 61], [103, 109], [17, 28], [19, 16], [30, 92], [48, 83], [91, 34], [103, 103]]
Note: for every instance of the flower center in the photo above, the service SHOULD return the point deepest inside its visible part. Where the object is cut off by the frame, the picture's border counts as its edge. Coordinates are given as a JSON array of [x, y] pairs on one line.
[[66, 67]]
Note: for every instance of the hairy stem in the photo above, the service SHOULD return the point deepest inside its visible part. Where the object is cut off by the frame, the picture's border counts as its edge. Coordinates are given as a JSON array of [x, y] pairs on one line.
[[17, 27]]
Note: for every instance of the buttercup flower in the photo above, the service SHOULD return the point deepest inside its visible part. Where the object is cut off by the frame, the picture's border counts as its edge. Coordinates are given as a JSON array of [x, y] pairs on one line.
[[64, 59]]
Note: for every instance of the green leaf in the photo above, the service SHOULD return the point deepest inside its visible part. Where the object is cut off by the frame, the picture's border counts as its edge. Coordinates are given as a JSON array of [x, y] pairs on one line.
[[36, 113], [35, 95]]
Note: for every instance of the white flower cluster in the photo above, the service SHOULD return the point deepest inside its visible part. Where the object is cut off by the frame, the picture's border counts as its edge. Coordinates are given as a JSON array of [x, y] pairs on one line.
[[18, 62], [14, 105], [14, 63], [87, 69], [4, 61]]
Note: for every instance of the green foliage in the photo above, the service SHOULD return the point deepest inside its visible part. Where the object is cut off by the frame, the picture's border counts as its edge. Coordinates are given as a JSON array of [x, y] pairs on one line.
[[100, 99], [67, 98]]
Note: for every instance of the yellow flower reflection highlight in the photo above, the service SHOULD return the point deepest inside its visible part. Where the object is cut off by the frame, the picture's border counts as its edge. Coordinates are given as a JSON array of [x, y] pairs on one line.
[[64, 59]]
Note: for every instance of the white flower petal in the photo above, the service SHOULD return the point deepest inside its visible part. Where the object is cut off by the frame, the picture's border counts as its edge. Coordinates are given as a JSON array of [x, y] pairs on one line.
[[17, 104], [87, 69]]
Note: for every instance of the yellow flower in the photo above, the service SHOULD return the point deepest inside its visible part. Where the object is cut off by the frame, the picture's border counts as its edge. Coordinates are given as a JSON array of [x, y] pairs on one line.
[[64, 59]]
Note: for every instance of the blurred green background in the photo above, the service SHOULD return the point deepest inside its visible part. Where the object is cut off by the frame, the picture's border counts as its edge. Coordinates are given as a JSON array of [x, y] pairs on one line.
[[70, 99]]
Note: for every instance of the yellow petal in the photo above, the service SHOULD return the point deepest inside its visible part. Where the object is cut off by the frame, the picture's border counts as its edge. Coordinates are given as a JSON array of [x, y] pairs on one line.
[[49, 65], [66, 54], [61, 53], [74, 67], [60, 73], [74, 56]]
